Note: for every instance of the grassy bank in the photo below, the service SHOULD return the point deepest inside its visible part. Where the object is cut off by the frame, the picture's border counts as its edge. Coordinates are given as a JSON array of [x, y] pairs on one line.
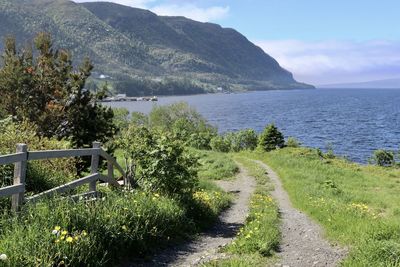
[[259, 238], [101, 232], [357, 205]]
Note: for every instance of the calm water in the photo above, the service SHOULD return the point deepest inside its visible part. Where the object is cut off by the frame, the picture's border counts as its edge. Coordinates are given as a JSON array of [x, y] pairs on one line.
[[354, 121]]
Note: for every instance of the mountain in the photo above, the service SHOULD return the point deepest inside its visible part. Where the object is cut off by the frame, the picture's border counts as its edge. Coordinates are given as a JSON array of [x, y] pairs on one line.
[[140, 53], [381, 84]]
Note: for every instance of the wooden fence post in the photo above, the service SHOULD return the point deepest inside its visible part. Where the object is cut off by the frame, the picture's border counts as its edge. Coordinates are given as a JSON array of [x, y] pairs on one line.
[[94, 166], [110, 169], [19, 177]]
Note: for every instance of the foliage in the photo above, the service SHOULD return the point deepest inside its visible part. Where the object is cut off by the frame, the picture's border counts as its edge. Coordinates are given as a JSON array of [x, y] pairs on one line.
[[220, 144], [242, 140], [157, 162], [184, 122], [43, 87], [383, 158], [271, 138], [292, 142], [121, 118], [41, 175], [139, 118]]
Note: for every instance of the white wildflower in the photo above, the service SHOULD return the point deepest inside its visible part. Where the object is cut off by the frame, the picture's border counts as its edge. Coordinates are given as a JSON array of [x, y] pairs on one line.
[[3, 257]]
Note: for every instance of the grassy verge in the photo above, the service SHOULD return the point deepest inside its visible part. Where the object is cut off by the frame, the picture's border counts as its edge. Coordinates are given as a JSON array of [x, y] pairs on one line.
[[99, 233], [357, 205], [259, 238], [216, 165]]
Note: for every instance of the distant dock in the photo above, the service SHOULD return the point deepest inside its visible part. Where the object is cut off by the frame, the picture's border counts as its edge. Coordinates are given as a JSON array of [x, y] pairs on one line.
[[124, 98]]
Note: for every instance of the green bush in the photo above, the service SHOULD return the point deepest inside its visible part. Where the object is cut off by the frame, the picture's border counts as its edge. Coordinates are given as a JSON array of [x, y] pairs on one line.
[[184, 122], [271, 138], [158, 162], [41, 175], [242, 140], [383, 158], [220, 144], [292, 142]]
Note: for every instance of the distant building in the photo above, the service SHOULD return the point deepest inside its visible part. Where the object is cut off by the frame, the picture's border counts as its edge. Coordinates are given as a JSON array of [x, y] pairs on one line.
[[119, 96]]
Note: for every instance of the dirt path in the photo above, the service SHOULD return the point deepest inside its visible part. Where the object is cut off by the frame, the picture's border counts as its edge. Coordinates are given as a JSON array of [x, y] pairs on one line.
[[302, 243], [206, 247]]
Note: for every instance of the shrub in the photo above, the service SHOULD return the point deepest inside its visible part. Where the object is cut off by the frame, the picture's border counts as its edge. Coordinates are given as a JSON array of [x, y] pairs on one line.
[[41, 175], [157, 162], [220, 144], [292, 142], [383, 158], [242, 140], [271, 138], [184, 122]]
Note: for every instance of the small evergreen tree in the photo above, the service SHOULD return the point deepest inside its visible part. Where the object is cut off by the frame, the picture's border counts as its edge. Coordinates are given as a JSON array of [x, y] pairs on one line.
[[271, 138]]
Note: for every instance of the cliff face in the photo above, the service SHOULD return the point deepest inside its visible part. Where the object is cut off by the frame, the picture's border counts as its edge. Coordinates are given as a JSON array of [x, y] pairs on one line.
[[142, 49]]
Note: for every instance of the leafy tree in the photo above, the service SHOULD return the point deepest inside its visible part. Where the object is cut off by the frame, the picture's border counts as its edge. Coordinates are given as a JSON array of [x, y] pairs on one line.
[[47, 90], [271, 138]]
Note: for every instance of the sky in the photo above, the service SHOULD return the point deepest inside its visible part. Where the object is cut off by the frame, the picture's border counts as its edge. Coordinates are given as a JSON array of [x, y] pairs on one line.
[[320, 41]]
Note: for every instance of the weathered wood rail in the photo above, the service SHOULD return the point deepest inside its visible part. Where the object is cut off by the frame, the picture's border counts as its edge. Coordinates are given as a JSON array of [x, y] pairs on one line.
[[22, 156]]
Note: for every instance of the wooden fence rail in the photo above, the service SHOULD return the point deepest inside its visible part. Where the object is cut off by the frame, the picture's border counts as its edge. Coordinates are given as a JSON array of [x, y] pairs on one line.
[[22, 156]]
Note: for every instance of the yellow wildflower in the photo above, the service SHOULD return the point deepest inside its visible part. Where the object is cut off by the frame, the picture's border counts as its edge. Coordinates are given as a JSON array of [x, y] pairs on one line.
[[69, 239]]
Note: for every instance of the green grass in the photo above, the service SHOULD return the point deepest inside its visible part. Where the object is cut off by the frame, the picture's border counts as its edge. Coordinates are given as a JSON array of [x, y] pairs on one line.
[[358, 206], [259, 238], [216, 165], [100, 232]]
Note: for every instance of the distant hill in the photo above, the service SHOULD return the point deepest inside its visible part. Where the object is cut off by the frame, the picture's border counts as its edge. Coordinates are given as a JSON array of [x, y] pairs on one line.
[[140, 53], [377, 84]]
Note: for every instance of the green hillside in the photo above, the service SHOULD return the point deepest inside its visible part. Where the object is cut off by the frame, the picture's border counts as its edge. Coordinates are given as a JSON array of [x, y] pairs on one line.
[[141, 53]]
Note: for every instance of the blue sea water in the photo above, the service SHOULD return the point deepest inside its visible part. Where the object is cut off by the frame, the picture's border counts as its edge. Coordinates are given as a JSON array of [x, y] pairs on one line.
[[355, 122]]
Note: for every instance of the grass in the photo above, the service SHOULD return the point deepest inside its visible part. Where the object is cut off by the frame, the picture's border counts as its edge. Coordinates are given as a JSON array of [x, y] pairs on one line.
[[358, 206], [59, 232], [259, 238], [216, 165]]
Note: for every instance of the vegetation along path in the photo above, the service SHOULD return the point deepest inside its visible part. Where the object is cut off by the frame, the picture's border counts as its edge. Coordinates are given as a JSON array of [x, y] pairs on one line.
[[207, 246], [302, 243]]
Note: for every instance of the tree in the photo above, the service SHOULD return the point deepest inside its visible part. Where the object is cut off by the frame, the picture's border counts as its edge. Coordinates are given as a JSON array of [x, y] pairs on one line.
[[383, 158], [47, 90], [271, 138]]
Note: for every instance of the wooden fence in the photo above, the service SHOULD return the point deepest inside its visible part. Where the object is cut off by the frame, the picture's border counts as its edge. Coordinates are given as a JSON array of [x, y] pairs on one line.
[[22, 156]]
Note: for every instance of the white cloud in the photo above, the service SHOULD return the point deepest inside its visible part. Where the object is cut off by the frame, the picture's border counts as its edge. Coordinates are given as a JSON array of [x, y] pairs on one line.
[[327, 62], [188, 10], [192, 11], [132, 3]]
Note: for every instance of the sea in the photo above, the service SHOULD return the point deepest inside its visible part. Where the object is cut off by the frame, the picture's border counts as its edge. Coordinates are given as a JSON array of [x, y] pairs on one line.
[[352, 122]]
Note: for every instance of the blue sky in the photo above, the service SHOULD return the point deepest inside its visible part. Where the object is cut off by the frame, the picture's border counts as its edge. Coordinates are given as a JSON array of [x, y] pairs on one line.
[[320, 41]]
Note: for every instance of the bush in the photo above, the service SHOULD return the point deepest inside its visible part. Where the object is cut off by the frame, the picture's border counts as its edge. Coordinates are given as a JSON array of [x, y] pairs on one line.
[[383, 158], [242, 140], [157, 162], [292, 142], [41, 175], [220, 144], [271, 138], [184, 122]]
